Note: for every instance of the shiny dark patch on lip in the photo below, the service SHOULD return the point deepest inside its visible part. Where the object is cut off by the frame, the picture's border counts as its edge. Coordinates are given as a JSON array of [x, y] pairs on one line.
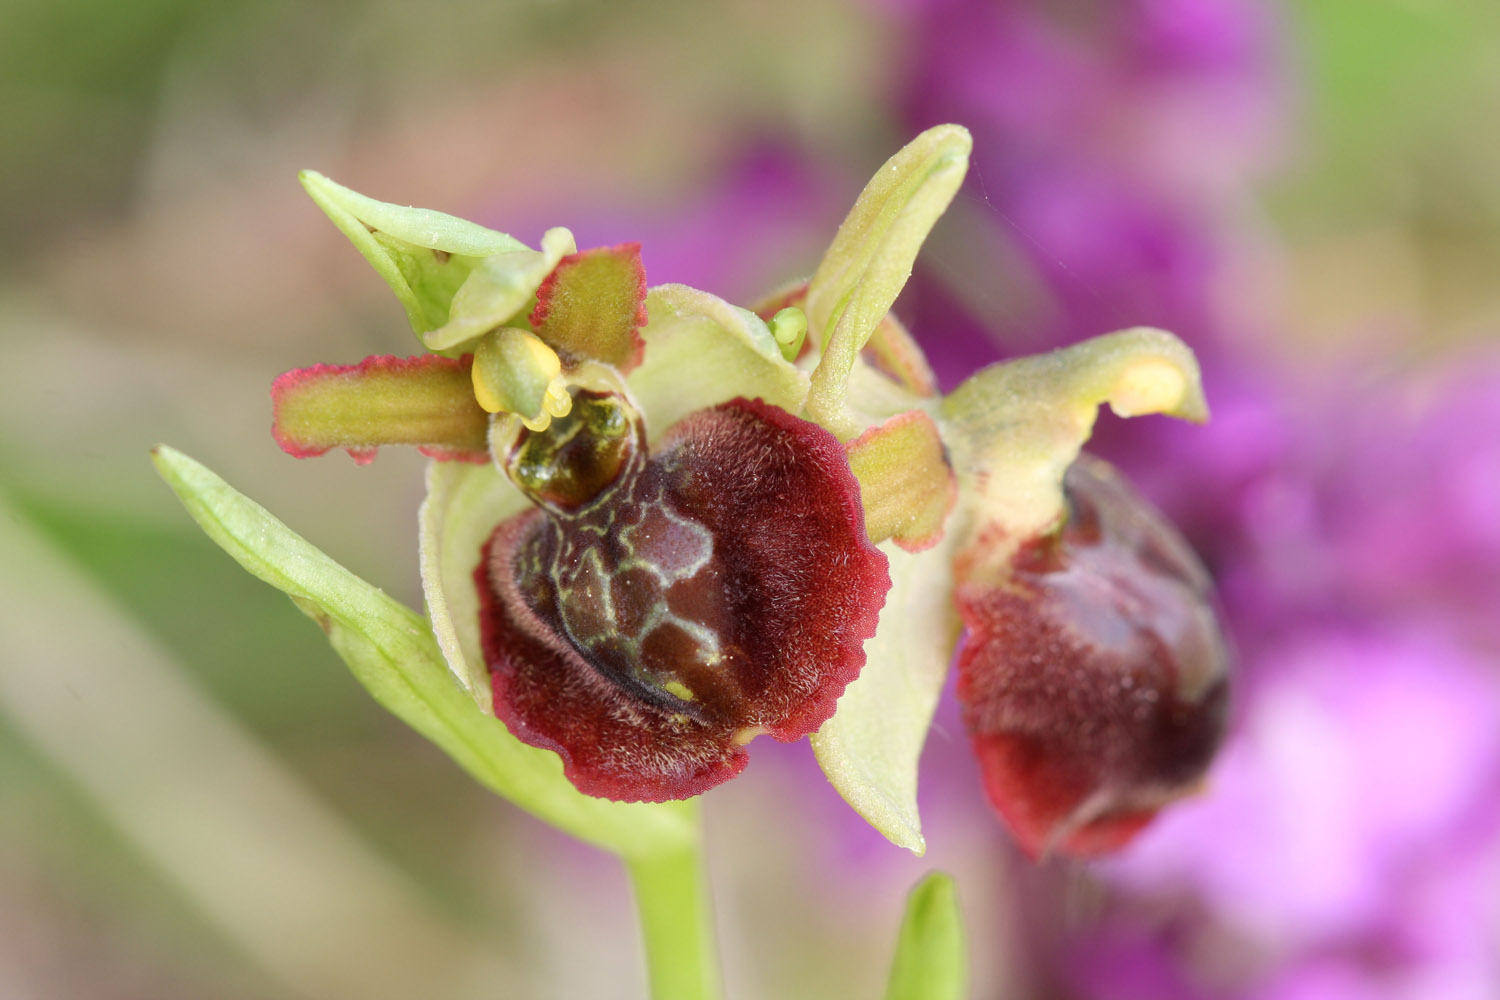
[[723, 586]]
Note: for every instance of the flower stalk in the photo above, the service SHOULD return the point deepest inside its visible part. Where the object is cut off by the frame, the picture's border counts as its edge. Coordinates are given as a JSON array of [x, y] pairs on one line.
[[677, 926]]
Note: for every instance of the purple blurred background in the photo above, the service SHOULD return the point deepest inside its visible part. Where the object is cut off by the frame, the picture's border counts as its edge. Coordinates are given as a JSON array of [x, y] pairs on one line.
[[1303, 191]]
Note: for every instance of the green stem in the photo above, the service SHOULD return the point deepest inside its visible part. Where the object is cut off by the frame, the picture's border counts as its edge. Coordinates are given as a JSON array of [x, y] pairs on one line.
[[671, 895]]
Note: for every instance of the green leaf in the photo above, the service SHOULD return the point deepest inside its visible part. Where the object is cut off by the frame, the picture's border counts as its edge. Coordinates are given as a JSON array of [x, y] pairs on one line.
[[931, 956], [392, 652], [871, 258], [425, 256], [702, 351], [870, 748]]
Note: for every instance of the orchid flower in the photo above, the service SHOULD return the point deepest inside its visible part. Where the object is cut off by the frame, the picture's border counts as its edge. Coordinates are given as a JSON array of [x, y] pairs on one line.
[[658, 525]]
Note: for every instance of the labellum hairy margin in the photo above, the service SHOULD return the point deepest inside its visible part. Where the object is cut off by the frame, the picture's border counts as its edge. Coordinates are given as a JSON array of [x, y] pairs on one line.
[[657, 612]]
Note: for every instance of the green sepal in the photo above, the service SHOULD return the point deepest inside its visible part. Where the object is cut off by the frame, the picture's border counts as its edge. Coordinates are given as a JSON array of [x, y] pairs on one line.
[[392, 652], [702, 351], [463, 506], [425, 256], [498, 291], [1014, 428], [931, 954], [871, 747], [871, 258]]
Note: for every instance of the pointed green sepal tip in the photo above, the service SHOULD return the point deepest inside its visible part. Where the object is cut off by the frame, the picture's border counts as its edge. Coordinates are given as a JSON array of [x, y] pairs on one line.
[[423, 255], [871, 748], [931, 960], [392, 651], [871, 259]]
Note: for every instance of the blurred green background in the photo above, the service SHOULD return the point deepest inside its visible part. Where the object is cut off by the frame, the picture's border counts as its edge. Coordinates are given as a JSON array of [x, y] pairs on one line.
[[196, 800]]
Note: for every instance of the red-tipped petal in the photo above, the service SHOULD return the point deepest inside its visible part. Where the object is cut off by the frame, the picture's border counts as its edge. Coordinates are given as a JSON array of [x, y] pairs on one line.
[[1093, 678], [906, 482], [427, 401], [725, 589], [593, 305]]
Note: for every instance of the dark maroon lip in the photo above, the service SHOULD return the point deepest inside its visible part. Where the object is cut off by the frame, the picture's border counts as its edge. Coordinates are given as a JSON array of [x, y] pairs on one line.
[[722, 588], [1094, 677]]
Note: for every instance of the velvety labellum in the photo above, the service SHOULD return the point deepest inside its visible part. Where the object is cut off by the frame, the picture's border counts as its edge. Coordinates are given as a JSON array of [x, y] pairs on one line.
[[1093, 677], [657, 612]]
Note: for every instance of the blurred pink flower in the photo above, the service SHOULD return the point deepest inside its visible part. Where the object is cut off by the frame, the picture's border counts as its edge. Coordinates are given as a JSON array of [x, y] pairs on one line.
[[1335, 497], [1349, 836], [1107, 145], [1411, 507]]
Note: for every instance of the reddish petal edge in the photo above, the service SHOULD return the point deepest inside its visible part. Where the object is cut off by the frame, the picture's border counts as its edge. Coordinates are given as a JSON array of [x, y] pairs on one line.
[[938, 518], [439, 454], [548, 288], [288, 382]]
